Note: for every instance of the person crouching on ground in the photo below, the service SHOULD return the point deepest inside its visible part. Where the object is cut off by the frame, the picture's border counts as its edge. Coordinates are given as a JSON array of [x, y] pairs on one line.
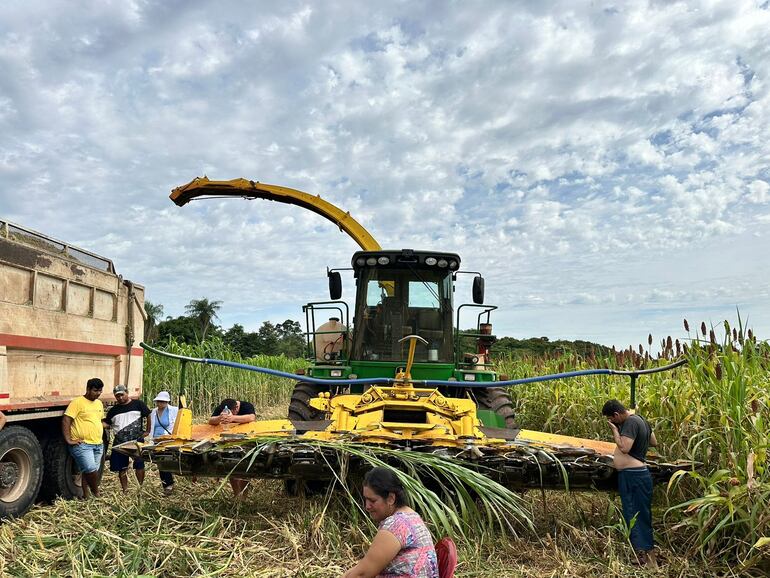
[[162, 419], [229, 412], [128, 419], [403, 546], [82, 430], [633, 436]]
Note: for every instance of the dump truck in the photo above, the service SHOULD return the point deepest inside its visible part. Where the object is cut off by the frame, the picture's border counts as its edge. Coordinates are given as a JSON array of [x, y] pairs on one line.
[[400, 374], [65, 316]]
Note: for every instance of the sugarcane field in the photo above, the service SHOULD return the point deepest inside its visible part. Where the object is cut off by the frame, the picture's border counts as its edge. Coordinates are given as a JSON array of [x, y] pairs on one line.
[[406, 290]]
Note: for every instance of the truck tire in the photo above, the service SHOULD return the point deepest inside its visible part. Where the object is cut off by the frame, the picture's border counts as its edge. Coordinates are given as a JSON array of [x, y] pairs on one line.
[[61, 476], [498, 400], [299, 407], [21, 470]]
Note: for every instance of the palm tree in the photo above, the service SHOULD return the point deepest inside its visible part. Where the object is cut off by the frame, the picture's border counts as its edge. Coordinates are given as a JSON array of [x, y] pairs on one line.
[[204, 311], [153, 312]]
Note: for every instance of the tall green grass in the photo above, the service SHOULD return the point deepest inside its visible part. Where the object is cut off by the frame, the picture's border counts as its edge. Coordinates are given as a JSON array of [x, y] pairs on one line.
[[207, 385], [714, 410]]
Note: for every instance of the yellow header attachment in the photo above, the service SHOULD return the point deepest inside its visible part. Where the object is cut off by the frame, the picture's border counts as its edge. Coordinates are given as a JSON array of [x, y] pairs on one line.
[[202, 186]]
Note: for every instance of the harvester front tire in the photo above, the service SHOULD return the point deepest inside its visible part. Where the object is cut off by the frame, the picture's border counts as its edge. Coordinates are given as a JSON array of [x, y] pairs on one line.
[[299, 406], [498, 400], [21, 470], [294, 487]]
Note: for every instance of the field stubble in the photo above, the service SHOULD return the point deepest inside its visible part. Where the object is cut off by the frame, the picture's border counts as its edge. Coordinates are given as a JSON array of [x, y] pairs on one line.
[[714, 522]]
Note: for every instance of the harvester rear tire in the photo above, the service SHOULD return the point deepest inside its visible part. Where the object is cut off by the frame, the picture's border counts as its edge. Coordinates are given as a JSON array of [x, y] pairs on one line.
[[299, 406], [22, 470], [498, 400]]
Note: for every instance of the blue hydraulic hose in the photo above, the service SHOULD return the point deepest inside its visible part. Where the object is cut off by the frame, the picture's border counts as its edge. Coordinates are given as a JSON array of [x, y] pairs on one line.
[[275, 372], [305, 378], [522, 381], [428, 382]]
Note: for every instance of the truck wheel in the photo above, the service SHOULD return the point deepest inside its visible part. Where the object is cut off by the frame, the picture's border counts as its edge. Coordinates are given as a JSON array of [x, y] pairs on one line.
[[498, 400], [299, 407], [21, 470], [62, 476]]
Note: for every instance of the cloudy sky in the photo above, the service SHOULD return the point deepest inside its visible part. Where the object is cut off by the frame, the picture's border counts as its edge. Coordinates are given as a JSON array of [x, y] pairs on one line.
[[605, 164]]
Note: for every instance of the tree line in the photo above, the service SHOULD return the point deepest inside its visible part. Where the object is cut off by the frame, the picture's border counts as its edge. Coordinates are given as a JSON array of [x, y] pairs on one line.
[[199, 323]]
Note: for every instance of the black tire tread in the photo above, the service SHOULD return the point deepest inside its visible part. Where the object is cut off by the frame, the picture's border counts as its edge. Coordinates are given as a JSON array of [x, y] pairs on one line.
[[498, 400], [19, 436], [299, 407], [56, 476]]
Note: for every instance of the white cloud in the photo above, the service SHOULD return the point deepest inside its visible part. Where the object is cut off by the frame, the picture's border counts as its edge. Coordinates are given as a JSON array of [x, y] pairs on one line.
[[560, 148]]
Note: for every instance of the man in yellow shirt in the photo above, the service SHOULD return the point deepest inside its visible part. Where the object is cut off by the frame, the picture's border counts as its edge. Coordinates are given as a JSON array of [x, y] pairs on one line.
[[82, 429]]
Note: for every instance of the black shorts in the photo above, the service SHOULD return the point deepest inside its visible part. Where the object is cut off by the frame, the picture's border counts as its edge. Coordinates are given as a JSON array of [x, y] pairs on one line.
[[119, 462]]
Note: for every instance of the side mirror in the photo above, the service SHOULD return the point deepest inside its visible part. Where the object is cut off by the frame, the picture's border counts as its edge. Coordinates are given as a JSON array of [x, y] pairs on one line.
[[478, 290], [335, 285]]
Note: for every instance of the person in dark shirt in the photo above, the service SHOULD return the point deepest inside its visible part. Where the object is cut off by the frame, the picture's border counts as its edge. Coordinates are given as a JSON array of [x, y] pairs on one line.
[[633, 436], [129, 421], [237, 412]]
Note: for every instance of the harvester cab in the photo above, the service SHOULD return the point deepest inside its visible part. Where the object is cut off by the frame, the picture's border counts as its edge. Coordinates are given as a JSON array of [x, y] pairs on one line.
[[398, 294]]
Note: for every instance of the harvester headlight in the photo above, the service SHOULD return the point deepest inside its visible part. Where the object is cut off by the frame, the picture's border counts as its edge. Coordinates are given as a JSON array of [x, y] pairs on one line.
[[361, 261], [430, 261], [469, 377], [336, 373], [371, 261], [443, 263], [453, 265], [383, 260]]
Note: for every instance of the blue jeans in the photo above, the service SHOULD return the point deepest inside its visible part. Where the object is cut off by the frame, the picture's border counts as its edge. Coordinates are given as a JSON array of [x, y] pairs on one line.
[[88, 457], [635, 487]]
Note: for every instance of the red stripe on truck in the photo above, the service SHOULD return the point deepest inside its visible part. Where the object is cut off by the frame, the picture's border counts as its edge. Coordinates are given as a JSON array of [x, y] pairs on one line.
[[47, 344], [5, 395]]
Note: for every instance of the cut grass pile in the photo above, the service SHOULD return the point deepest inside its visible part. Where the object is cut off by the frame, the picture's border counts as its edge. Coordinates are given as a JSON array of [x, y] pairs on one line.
[[198, 532]]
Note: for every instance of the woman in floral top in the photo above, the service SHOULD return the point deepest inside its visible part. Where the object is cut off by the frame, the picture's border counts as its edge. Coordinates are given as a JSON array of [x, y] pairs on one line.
[[403, 546]]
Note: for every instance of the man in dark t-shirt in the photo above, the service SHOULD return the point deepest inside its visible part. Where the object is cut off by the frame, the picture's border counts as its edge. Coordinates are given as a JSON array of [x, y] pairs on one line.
[[633, 436], [237, 412], [233, 411], [129, 421]]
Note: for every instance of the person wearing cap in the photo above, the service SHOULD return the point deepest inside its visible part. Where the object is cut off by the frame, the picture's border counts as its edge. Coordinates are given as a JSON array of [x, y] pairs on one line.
[[82, 429], [162, 420], [128, 420]]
